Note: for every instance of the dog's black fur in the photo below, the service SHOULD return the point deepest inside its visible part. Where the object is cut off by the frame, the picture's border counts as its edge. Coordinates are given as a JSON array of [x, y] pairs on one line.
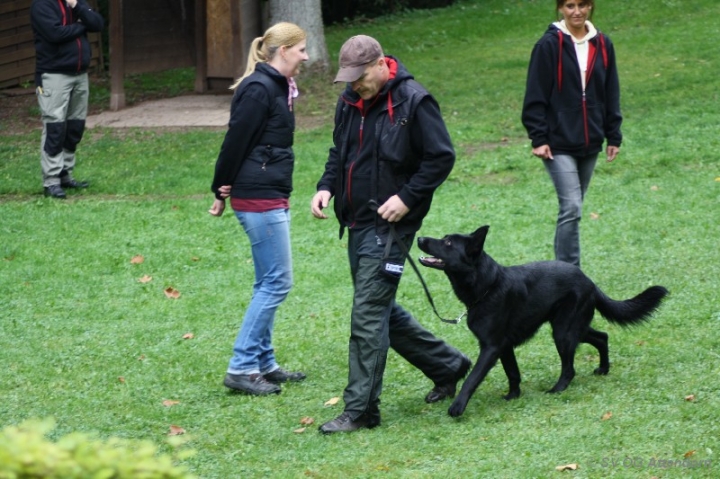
[[507, 305]]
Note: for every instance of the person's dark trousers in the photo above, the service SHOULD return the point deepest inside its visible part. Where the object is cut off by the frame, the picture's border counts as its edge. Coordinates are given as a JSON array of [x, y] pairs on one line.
[[378, 322]]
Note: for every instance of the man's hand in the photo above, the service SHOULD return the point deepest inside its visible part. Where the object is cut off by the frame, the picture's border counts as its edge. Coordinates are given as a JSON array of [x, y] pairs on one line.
[[612, 152], [71, 3], [543, 151], [318, 203], [393, 209]]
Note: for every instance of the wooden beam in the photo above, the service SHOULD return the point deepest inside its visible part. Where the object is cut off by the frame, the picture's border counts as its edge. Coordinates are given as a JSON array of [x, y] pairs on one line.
[[117, 56], [201, 57]]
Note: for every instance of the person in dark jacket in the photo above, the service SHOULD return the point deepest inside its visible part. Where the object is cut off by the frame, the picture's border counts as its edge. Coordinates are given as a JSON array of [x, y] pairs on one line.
[[572, 105], [62, 57], [391, 152], [254, 169]]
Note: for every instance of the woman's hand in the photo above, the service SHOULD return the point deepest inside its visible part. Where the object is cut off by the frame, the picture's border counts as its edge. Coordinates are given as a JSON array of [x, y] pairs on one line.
[[612, 152], [217, 208], [543, 151], [225, 191]]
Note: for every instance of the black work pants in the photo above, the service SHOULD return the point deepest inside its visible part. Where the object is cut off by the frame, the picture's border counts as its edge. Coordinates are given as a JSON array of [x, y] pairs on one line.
[[379, 323]]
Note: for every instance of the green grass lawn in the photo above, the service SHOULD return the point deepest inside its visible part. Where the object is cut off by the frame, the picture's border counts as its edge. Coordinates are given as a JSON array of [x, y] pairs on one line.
[[84, 341]]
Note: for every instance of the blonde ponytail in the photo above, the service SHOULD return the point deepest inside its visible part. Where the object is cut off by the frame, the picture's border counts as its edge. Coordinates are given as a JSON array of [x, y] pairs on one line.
[[263, 49]]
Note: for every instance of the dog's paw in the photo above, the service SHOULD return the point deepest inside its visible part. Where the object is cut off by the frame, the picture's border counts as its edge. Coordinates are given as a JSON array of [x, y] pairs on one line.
[[512, 395], [456, 408], [601, 371]]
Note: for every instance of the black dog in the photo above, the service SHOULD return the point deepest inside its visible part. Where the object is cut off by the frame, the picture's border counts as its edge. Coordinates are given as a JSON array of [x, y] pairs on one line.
[[507, 305]]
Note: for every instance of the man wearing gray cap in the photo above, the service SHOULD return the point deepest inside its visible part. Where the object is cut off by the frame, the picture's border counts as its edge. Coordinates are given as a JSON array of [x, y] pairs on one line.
[[391, 151]]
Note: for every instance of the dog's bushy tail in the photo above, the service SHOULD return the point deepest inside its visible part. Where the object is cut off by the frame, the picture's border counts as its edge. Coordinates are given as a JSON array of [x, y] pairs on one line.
[[631, 311]]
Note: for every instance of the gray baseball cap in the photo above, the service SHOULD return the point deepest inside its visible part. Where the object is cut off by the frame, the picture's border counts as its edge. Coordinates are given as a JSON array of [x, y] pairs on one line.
[[355, 55]]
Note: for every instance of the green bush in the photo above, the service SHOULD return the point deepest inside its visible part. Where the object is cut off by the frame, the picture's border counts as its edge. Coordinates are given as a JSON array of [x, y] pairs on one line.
[[26, 453]]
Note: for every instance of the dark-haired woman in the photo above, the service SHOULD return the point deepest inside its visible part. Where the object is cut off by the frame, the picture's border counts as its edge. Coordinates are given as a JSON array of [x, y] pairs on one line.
[[571, 107]]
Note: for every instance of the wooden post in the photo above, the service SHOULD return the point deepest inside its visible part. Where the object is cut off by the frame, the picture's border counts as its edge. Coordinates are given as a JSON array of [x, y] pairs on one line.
[[117, 56], [201, 57]]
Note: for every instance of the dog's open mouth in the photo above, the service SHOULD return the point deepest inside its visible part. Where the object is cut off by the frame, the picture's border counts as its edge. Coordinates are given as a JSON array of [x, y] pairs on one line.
[[432, 262]]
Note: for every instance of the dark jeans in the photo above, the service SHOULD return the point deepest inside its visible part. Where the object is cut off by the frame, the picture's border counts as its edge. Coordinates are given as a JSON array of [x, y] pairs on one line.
[[379, 323]]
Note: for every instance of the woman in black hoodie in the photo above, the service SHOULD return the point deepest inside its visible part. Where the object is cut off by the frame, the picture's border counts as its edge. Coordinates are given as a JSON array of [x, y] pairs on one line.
[[572, 105]]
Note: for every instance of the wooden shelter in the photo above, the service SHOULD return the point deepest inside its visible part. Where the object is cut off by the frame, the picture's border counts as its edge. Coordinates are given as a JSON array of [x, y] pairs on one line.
[[17, 46], [213, 36]]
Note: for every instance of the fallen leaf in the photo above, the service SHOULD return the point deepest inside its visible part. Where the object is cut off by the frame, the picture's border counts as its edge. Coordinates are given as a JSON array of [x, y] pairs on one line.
[[306, 421], [641, 343], [176, 431], [170, 402], [717, 179], [689, 454], [594, 216], [606, 416], [141, 357], [332, 401], [188, 336], [195, 258], [299, 430], [145, 279], [121, 379], [138, 259], [566, 467], [690, 397], [654, 187], [172, 293]]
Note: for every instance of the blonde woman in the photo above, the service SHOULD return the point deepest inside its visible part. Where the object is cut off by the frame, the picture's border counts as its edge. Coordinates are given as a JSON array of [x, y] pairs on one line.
[[254, 169]]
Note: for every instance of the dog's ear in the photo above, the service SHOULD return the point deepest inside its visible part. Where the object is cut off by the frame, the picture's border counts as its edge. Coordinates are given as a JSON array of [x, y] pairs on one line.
[[477, 241]]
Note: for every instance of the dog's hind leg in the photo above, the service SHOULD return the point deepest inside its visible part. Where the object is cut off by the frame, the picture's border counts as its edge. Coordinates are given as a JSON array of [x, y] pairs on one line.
[[486, 361], [509, 363], [599, 340]]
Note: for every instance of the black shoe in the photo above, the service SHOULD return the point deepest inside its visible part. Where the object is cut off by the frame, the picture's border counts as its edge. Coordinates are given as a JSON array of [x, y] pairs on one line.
[[74, 184], [343, 423], [447, 390], [254, 384], [280, 376], [55, 191]]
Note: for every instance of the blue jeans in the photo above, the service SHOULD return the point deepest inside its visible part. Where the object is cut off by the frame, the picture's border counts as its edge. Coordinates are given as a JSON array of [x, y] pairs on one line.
[[571, 176], [269, 235]]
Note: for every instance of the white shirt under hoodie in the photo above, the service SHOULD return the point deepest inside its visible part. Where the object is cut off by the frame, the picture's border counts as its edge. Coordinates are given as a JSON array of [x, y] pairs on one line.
[[581, 46]]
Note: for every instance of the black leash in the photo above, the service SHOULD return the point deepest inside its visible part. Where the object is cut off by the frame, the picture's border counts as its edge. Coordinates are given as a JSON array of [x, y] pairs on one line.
[[394, 237], [405, 251]]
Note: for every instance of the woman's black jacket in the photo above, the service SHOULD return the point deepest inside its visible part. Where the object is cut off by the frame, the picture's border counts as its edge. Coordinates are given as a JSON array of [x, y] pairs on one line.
[[556, 112], [256, 157]]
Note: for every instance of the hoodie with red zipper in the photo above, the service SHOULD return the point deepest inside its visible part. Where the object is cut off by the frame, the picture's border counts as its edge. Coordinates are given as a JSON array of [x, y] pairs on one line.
[[573, 116], [61, 43], [394, 144]]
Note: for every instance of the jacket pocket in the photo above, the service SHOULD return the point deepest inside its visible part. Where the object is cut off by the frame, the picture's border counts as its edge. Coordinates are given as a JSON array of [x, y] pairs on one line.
[[596, 123], [568, 130], [394, 140]]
